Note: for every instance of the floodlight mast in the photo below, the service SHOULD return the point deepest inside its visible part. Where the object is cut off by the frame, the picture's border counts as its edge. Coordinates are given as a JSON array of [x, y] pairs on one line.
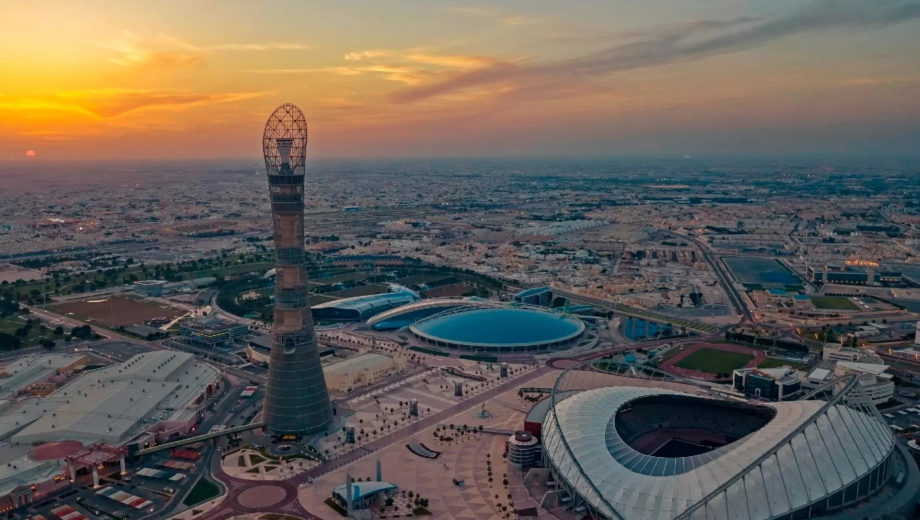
[[296, 399]]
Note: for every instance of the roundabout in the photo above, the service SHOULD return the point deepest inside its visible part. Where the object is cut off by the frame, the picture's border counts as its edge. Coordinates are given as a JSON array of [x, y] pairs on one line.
[[260, 497]]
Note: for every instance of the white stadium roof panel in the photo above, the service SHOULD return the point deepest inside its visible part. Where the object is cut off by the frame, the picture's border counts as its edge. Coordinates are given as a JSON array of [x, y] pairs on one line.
[[806, 452]]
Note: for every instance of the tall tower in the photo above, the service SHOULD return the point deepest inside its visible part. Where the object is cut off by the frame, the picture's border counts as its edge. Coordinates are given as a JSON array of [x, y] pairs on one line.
[[296, 399]]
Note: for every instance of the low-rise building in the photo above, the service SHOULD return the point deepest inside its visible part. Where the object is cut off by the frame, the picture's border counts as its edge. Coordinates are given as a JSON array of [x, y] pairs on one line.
[[36, 374], [772, 384], [259, 349], [153, 288], [91, 418], [542, 296], [153, 392], [146, 332], [363, 494], [361, 370], [874, 381], [875, 384], [523, 449], [839, 353], [210, 331]]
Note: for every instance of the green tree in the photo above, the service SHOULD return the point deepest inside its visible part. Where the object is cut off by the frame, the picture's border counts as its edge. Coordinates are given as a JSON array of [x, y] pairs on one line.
[[9, 342]]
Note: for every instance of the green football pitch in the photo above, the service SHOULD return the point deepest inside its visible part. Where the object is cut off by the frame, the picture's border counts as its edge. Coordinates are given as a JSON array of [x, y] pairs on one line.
[[714, 361]]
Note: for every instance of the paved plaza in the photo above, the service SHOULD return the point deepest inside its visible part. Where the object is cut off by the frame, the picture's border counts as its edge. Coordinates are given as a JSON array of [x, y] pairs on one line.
[[466, 458]]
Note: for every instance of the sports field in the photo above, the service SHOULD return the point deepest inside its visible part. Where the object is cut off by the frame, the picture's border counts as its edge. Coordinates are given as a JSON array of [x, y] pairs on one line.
[[119, 312], [715, 361], [711, 361], [833, 302]]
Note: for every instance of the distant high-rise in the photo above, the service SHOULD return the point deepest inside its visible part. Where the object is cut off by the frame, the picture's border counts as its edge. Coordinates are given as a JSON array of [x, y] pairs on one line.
[[296, 399]]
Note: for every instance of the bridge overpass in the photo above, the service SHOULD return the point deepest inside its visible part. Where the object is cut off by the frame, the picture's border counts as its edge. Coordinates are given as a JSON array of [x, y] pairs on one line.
[[635, 312], [198, 438]]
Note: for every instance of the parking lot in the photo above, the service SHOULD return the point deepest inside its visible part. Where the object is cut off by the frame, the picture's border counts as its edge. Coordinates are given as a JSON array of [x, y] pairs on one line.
[[114, 499], [904, 420]]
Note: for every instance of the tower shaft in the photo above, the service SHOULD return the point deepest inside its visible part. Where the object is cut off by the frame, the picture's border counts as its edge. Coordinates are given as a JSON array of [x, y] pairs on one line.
[[296, 399]]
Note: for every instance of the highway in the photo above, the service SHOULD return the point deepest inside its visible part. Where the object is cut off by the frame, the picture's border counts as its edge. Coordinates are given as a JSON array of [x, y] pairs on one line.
[[736, 300], [563, 362], [636, 312]]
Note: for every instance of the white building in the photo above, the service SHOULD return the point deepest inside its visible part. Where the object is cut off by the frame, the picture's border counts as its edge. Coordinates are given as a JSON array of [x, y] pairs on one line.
[[917, 337], [874, 383], [152, 392], [838, 353], [37, 374]]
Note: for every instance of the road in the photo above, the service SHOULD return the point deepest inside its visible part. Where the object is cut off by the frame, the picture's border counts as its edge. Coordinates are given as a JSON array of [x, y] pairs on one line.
[[142, 346], [565, 362], [729, 288], [631, 311]]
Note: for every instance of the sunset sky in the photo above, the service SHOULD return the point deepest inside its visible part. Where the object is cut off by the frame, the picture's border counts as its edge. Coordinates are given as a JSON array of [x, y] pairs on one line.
[[194, 78]]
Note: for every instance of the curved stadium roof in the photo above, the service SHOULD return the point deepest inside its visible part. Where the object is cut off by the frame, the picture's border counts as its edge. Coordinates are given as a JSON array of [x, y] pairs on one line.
[[408, 314], [370, 304], [807, 451]]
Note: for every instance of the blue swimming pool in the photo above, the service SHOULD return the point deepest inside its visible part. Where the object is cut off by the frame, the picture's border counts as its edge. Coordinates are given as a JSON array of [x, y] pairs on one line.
[[499, 328]]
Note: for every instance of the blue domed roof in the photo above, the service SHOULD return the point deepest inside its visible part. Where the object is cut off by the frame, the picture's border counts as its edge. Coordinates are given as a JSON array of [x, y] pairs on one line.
[[499, 327]]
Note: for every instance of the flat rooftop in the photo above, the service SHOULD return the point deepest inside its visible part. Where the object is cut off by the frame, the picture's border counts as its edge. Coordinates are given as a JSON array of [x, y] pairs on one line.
[[111, 404], [26, 370]]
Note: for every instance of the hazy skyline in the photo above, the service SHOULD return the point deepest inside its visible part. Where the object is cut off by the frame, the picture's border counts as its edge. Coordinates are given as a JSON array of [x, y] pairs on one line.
[[195, 79]]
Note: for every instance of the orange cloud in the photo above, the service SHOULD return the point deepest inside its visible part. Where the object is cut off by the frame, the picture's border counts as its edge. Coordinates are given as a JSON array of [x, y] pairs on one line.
[[107, 103], [453, 61], [167, 51], [131, 50], [411, 67], [493, 15], [869, 82]]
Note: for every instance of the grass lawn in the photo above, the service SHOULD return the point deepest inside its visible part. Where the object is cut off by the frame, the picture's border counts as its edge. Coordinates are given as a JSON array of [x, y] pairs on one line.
[[202, 491], [37, 333], [255, 459], [776, 363], [833, 302], [714, 361], [9, 325]]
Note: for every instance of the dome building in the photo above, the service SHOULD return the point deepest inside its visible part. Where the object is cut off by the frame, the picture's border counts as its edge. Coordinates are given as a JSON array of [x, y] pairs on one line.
[[499, 329]]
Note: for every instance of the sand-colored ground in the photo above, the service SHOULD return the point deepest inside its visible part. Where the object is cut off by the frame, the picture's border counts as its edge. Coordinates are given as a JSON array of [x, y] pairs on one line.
[[467, 457], [117, 311]]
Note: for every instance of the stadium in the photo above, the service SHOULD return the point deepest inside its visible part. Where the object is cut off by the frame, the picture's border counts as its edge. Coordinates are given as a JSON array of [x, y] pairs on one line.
[[628, 443], [499, 328]]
